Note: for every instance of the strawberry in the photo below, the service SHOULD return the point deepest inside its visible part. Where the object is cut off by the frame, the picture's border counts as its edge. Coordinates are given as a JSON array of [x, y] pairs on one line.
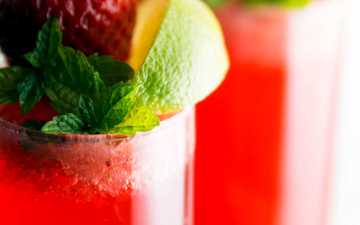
[[92, 26]]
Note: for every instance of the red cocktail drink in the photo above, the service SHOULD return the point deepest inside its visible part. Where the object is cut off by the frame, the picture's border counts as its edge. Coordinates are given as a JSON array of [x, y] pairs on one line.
[[264, 140], [86, 139], [96, 179]]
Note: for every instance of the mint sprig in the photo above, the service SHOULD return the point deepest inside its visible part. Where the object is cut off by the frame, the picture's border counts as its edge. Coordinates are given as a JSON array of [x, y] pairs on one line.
[[48, 41], [92, 94]]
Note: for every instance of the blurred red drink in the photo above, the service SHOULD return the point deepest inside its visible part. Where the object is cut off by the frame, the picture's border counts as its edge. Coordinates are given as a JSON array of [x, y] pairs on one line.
[[264, 139]]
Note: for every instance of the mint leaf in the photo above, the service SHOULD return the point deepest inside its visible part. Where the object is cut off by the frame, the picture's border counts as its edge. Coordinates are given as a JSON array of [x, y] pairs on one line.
[[92, 94], [49, 38], [66, 72], [118, 92], [111, 71], [63, 98], [69, 77], [73, 69], [64, 124], [140, 119], [9, 79], [121, 102], [87, 111], [30, 92], [124, 116]]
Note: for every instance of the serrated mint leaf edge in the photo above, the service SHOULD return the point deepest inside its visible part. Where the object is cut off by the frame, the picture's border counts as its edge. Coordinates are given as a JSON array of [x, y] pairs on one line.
[[48, 40], [76, 65], [111, 70], [30, 92], [64, 124]]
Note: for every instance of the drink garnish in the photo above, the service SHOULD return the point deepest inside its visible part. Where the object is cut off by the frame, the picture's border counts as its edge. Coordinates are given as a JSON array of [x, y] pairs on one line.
[[92, 94], [177, 59]]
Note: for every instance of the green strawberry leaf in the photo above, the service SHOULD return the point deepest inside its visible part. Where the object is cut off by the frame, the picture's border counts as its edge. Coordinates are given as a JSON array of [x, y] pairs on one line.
[[30, 92], [9, 79], [49, 38], [64, 124], [140, 119], [111, 71]]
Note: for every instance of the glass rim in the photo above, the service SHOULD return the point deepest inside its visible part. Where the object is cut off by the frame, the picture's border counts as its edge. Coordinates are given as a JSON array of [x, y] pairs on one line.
[[94, 138]]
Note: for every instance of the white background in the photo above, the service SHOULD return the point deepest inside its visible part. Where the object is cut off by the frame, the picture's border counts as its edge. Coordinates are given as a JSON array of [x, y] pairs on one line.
[[346, 183]]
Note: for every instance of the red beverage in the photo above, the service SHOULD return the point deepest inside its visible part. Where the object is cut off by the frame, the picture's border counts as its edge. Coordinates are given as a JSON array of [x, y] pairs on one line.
[[96, 179], [264, 139]]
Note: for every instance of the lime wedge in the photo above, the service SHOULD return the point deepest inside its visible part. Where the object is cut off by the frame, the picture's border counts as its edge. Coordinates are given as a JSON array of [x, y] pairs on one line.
[[178, 53]]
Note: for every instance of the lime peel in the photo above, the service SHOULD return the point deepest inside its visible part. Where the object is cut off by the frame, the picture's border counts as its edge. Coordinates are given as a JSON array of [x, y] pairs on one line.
[[186, 61]]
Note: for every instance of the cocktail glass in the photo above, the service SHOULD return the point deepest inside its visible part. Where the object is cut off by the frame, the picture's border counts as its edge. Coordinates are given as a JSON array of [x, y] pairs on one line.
[[265, 138], [96, 179]]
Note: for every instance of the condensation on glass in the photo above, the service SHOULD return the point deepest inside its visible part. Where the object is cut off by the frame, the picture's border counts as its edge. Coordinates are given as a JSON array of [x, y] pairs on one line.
[[98, 179]]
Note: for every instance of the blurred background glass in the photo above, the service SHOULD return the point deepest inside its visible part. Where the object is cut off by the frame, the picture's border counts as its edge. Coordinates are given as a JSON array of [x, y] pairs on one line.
[[265, 139], [346, 181]]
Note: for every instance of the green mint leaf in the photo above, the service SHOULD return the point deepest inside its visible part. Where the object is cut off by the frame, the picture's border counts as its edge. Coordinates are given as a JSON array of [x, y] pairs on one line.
[[9, 79], [139, 120], [287, 3], [64, 124], [111, 71], [63, 98], [67, 73], [121, 102], [80, 72], [49, 39], [87, 111], [92, 94], [73, 69], [120, 91], [30, 92], [69, 77]]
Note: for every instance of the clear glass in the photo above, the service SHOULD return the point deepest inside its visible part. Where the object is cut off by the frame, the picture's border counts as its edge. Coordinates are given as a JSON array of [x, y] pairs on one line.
[[99, 179], [266, 160]]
